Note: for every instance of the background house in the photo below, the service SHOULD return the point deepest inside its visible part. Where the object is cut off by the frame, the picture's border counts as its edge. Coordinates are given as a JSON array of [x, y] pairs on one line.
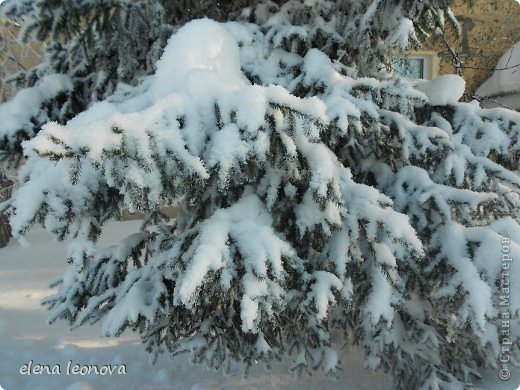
[[489, 28]]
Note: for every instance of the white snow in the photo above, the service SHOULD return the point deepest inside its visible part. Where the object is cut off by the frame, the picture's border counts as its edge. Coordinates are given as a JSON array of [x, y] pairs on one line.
[[381, 299], [445, 89], [403, 34], [200, 57], [478, 303], [321, 292], [226, 150], [17, 113]]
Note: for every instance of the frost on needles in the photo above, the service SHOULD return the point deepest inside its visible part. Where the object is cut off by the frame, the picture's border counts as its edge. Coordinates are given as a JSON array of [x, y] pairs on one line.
[[311, 202]]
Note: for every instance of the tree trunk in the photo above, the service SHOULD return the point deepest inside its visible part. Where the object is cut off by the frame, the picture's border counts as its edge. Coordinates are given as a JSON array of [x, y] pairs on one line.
[[5, 228]]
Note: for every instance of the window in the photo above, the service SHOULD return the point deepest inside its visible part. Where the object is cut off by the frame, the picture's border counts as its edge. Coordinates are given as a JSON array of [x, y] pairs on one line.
[[422, 66]]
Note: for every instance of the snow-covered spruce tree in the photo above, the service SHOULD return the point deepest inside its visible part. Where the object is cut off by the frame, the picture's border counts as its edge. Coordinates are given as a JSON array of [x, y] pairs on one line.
[[94, 45], [311, 200], [90, 48]]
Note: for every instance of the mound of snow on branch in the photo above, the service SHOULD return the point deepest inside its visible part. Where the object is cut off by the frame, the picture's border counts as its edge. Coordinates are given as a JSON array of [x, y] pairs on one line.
[[445, 89]]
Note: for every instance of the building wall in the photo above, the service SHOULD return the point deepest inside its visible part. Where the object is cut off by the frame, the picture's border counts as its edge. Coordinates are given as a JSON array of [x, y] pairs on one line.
[[489, 29], [14, 56]]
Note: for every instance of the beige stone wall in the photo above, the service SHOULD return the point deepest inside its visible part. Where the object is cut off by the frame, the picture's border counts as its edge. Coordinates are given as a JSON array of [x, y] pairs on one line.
[[489, 29], [14, 56]]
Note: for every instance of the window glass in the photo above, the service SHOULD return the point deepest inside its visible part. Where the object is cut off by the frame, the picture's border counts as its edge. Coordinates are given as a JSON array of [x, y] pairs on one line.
[[412, 68]]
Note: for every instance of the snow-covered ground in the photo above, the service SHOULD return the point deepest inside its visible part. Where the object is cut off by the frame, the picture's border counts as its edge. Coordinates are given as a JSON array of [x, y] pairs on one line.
[[25, 337]]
